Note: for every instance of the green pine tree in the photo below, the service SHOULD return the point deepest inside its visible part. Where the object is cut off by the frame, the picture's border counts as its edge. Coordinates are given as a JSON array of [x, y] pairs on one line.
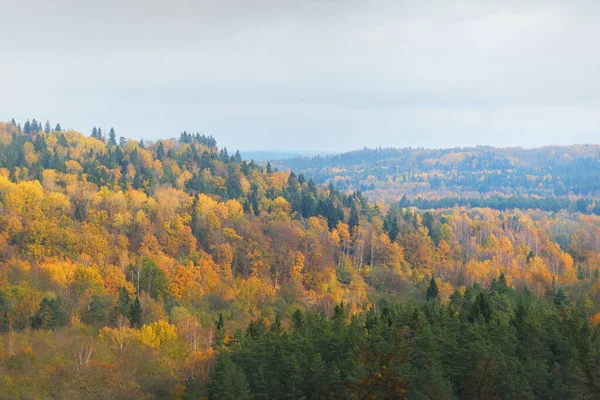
[[135, 315], [112, 137], [49, 315], [432, 290], [228, 381]]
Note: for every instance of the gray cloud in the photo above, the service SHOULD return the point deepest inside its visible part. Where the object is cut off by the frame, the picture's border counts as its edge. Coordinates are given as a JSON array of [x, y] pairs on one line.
[[314, 75]]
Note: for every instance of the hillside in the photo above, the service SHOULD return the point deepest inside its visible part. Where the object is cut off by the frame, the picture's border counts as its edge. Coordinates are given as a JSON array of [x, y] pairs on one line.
[[389, 174], [173, 269]]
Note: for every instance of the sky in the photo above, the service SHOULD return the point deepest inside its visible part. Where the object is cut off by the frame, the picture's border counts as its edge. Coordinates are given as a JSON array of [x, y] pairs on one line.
[[326, 75]]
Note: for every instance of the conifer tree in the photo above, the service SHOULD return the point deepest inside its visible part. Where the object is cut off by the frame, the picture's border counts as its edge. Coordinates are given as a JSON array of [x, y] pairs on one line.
[[220, 331], [135, 315], [4, 323], [49, 315], [432, 290], [112, 137], [353, 220], [123, 306], [228, 382], [160, 151]]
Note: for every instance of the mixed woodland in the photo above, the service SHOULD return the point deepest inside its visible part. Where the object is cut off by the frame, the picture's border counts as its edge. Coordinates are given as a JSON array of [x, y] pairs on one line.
[[549, 178], [174, 269]]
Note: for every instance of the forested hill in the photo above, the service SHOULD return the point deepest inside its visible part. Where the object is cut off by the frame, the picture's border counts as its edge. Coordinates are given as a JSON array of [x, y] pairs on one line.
[[388, 174], [173, 269]]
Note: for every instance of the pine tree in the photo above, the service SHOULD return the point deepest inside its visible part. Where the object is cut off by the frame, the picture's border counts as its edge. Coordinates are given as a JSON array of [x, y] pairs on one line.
[[135, 315], [353, 220], [228, 381], [4, 323], [58, 128], [123, 306], [194, 389], [97, 312], [276, 326], [3, 303], [112, 137], [4, 320], [49, 315], [301, 179], [160, 151], [432, 290], [481, 308], [237, 157], [502, 281], [269, 168], [95, 133], [298, 319], [220, 331], [47, 127]]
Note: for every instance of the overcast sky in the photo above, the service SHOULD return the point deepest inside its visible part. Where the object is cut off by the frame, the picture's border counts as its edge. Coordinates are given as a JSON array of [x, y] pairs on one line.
[[323, 75]]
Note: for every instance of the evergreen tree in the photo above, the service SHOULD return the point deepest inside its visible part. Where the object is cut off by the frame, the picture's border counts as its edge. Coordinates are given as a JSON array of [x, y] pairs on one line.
[[298, 319], [135, 315], [228, 382], [49, 315], [237, 157], [432, 290], [4, 323], [194, 389], [160, 151], [560, 299], [4, 320], [404, 203], [123, 306], [481, 308], [220, 331], [97, 312], [353, 220], [3, 303], [58, 128], [301, 179], [112, 137], [47, 127]]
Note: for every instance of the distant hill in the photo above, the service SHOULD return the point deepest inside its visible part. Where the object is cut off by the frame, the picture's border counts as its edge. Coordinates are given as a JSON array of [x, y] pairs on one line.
[[264, 156], [389, 174]]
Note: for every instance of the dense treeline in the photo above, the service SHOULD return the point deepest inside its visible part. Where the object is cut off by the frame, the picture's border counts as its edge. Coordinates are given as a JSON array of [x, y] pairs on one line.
[[388, 174], [127, 269], [481, 344], [503, 203]]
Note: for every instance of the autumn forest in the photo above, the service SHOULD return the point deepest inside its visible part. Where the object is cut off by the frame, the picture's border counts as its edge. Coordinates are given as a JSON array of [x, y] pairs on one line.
[[176, 269]]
